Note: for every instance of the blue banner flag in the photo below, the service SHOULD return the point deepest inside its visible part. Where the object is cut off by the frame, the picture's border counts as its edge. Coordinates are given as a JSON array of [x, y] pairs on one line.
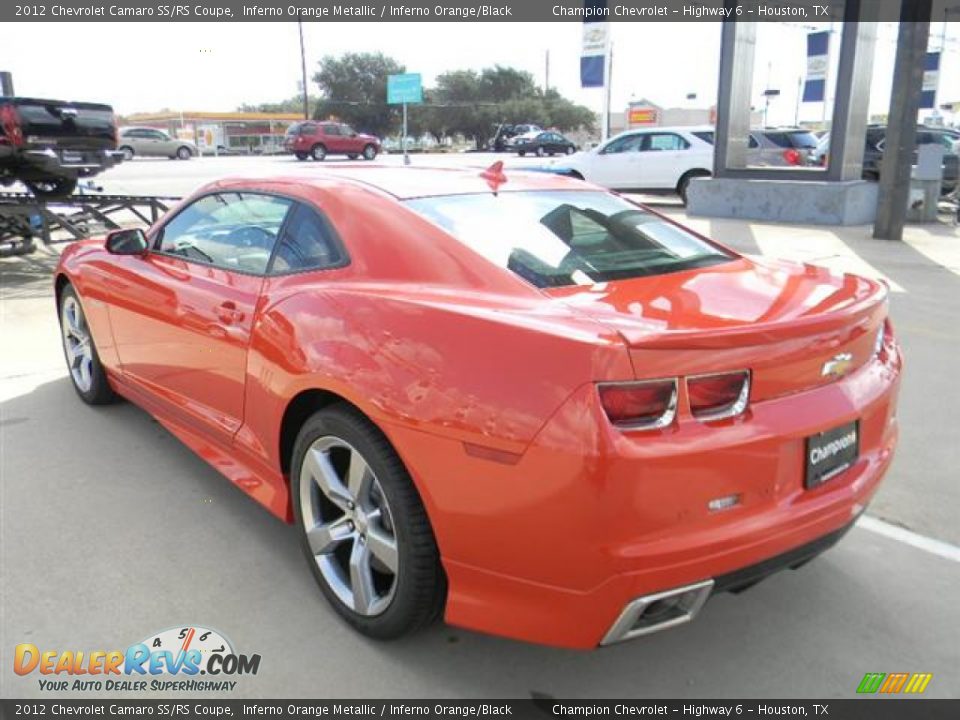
[[931, 76], [596, 44], [818, 61]]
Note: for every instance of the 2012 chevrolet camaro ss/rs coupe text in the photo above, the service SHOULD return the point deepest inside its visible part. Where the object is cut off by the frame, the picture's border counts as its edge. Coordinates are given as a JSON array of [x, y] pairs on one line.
[[518, 400]]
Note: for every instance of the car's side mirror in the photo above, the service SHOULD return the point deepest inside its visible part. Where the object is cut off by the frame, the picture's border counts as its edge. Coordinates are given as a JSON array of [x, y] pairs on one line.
[[126, 242]]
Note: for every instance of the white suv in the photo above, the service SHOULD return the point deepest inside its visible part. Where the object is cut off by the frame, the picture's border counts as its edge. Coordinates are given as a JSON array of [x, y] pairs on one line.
[[660, 159]]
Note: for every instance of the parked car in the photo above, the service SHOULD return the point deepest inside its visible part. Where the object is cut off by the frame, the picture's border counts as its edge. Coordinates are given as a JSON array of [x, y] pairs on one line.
[[661, 159], [150, 142], [318, 139], [505, 133], [48, 145], [672, 418], [543, 143], [876, 141], [926, 135], [769, 147]]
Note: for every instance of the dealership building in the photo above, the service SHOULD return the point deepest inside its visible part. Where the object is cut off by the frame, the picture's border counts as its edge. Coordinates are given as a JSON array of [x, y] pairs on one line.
[[259, 133]]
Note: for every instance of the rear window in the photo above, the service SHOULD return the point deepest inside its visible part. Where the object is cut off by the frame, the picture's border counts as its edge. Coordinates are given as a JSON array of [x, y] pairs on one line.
[[60, 118], [560, 238], [799, 139]]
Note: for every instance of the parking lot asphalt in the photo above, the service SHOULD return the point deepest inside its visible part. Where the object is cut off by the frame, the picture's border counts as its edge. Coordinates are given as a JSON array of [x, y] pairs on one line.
[[111, 530]]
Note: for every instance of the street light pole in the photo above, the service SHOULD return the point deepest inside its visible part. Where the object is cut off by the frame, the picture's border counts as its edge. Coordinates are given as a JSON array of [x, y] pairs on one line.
[[303, 68]]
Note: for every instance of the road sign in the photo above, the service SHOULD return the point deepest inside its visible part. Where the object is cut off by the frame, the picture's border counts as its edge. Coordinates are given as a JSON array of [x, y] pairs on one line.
[[405, 88]]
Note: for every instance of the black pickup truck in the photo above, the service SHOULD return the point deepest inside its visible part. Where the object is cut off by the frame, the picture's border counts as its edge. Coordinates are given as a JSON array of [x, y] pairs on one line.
[[48, 145]]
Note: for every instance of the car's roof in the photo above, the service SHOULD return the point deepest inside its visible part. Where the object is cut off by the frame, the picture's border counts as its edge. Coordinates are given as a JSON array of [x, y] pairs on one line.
[[407, 183]]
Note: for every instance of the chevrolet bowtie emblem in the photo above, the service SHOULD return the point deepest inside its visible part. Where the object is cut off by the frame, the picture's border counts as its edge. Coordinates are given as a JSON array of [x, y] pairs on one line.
[[837, 366]]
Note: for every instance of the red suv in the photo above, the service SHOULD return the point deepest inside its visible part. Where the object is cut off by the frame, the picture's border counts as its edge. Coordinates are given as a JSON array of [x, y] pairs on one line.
[[319, 139]]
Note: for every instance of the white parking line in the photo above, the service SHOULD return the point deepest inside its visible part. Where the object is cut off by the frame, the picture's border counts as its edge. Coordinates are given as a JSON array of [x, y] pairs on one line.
[[908, 537]]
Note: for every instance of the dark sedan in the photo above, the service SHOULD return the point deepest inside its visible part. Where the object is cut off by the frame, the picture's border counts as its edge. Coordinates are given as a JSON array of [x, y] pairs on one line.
[[543, 143]]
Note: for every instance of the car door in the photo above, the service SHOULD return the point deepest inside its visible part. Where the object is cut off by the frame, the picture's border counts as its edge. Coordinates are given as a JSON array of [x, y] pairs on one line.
[[166, 145], [136, 138], [332, 138], [663, 158], [614, 166], [153, 143], [351, 142], [182, 314]]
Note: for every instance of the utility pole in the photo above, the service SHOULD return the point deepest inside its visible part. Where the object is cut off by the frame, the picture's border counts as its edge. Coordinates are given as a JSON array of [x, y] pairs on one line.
[[546, 73], [605, 131], [6, 84], [303, 69]]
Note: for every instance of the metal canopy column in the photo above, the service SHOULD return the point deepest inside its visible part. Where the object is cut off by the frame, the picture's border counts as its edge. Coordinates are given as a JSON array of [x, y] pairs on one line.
[[848, 130], [737, 51], [902, 119]]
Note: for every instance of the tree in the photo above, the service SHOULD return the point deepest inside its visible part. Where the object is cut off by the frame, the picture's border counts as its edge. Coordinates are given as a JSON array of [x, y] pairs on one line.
[[291, 105], [353, 88], [466, 105], [566, 115]]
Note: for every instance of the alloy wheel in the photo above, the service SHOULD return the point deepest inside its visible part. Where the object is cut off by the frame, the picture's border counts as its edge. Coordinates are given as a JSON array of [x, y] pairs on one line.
[[349, 526], [77, 344]]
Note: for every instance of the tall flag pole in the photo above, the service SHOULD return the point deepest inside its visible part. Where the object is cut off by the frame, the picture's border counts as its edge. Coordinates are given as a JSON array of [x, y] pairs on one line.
[[594, 55], [818, 65]]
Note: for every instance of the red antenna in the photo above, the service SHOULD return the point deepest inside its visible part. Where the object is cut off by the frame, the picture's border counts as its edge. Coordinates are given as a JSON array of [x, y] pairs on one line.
[[494, 176]]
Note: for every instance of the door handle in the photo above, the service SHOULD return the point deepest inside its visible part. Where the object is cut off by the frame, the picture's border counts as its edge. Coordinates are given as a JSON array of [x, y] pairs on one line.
[[228, 313]]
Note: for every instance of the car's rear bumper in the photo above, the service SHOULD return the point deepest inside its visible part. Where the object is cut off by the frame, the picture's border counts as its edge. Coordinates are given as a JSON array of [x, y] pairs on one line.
[[80, 163], [554, 547]]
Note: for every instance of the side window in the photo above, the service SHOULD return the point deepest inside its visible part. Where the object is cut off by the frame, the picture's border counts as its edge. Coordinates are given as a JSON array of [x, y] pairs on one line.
[[707, 136], [779, 139], [628, 143], [665, 141], [308, 242], [331, 129], [232, 230], [308, 129], [752, 142]]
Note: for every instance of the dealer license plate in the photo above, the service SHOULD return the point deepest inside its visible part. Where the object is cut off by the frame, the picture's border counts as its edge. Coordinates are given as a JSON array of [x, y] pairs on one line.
[[830, 453]]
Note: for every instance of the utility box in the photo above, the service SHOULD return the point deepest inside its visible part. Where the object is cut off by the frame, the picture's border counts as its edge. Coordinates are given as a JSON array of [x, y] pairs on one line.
[[925, 183]]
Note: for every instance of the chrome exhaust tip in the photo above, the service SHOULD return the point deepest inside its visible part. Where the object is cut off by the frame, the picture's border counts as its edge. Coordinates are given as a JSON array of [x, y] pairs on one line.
[[652, 613]]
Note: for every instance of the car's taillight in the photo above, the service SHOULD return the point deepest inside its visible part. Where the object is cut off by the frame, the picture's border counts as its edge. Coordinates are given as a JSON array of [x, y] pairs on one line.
[[791, 156], [715, 397], [644, 405], [10, 123]]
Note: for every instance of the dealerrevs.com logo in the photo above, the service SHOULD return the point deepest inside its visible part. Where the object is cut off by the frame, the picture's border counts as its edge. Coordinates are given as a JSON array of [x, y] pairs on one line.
[[169, 661]]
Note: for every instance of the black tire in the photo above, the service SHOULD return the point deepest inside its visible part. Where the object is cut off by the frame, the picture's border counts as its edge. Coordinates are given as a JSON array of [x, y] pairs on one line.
[[302, 156], [54, 187], [522, 153], [99, 392], [369, 152], [570, 150], [421, 586], [318, 152], [184, 153], [684, 184], [128, 153]]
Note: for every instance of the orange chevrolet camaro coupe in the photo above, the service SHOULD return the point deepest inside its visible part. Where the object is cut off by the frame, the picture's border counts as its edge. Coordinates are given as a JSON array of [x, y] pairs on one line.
[[515, 400]]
